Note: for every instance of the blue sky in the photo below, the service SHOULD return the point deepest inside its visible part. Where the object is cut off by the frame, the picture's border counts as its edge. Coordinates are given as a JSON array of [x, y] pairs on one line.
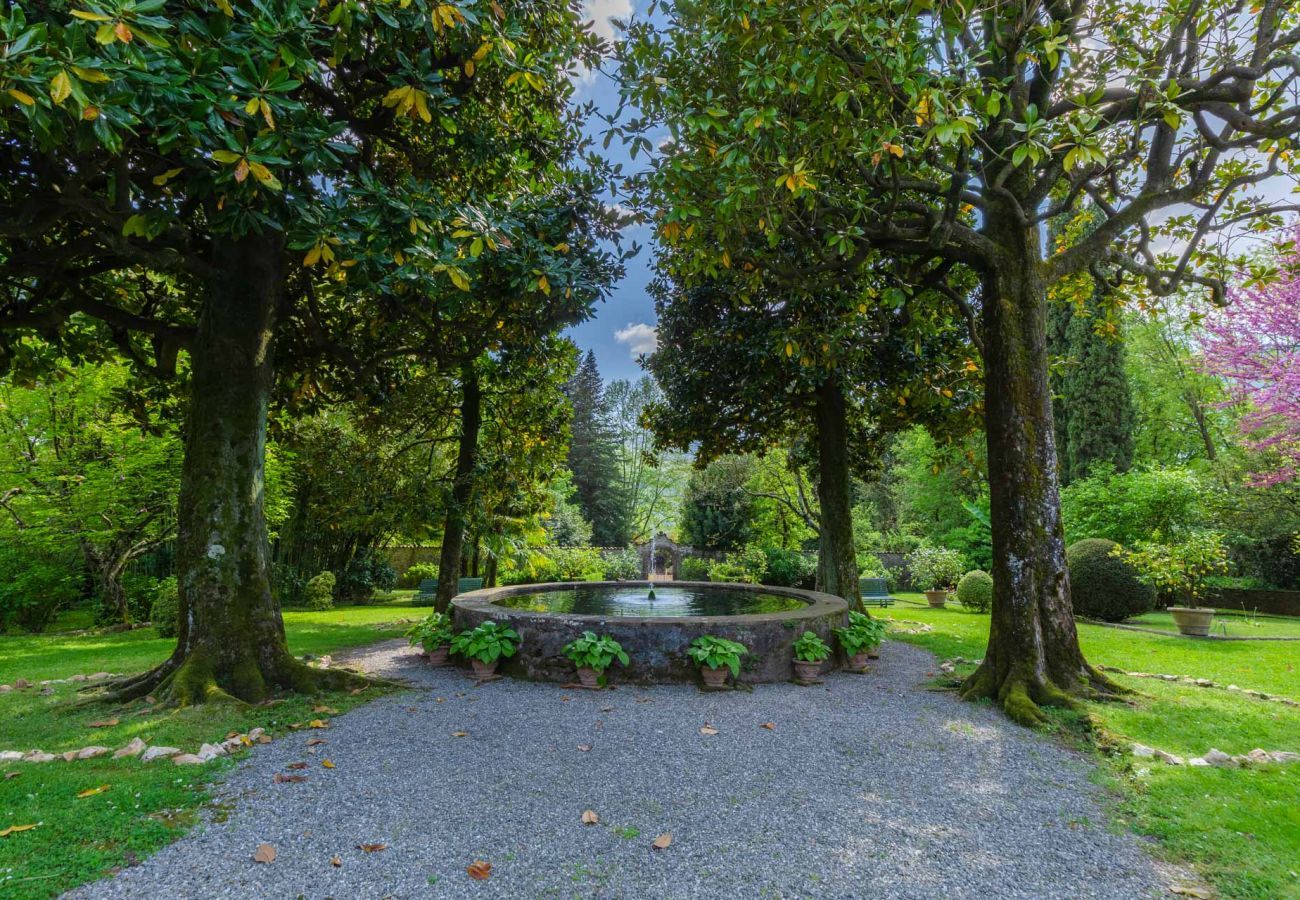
[[624, 324]]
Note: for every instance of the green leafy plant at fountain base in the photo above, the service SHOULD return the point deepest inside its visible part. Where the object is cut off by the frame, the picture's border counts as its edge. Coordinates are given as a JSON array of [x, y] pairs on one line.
[[595, 652], [431, 632], [811, 648], [487, 643], [715, 653], [862, 634]]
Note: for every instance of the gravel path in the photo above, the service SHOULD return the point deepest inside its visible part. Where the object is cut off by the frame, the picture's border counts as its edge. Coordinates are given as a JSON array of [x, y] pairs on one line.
[[867, 786]]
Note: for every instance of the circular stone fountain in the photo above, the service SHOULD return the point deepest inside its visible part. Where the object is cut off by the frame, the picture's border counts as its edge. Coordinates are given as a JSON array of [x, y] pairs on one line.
[[654, 628]]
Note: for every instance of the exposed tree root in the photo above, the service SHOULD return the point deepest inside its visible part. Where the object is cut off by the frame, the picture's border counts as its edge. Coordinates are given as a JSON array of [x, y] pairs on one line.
[[192, 680], [1022, 695]]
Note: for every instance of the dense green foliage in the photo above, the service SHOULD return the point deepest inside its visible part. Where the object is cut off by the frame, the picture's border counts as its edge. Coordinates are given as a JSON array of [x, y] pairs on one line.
[[934, 568], [165, 611], [717, 509], [1103, 585], [319, 594], [592, 652], [431, 632]]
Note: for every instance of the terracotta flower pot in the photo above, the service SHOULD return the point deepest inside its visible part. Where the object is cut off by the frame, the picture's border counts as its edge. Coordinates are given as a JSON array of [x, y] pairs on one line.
[[806, 671], [714, 677], [482, 669], [859, 661], [1193, 620], [588, 677], [438, 655], [936, 598]]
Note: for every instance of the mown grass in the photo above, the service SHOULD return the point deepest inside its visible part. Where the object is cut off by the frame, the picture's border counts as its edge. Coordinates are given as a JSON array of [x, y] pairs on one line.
[[146, 805], [1239, 828]]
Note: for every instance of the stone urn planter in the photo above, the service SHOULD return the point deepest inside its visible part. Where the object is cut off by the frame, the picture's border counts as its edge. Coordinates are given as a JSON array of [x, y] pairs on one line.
[[437, 657], [936, 599], [482, 669], [714, 678], [858, 662], [588, 677], [806, 671], [1193, 620]]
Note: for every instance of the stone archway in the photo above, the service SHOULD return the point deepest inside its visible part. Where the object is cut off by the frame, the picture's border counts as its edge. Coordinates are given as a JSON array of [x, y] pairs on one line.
[[661, 558]]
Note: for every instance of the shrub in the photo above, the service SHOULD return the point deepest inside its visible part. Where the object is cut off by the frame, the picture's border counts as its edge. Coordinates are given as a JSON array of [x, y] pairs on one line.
[[934, 568], [140, 592], [1105, 586], [789, 568], [412, 577], [1129, 507], [743, 567], [165, 611], [320, 591], [594, 652], [366, 574], [625, 565], [716, 652], [975, 591], [35, 583], [577, 563], [694, 568]]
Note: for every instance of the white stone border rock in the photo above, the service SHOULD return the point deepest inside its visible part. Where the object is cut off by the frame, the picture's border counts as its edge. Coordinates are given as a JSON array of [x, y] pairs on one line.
[[1205, 683], [138, 748], [1217, 758]]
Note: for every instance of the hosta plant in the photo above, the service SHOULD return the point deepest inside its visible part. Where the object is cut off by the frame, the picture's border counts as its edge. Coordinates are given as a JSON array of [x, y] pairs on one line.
[[487, 643], [861, 635], [811, 648], [716, 653], [592, 651], [431, 632]]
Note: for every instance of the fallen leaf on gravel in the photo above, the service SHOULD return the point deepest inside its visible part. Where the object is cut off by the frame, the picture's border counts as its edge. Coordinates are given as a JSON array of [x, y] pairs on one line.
[[460, 734], [336, 861], [325, 763], [324, 709], [708, 729], [290, 779], [565, 699], [316, 741], [589, 817], [90, 792], [770, 726], [264, 739], [479, 870], [662, 842], [14, 829], [297, 765], [319, 723], [372, 848], [607, 709], [584, 747], [439, 699], [265, 854], [104, 723]]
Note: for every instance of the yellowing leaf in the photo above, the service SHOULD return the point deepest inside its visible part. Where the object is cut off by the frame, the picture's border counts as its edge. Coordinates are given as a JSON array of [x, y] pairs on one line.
[[251, 106], [544, 286], [90, 792], [14, 829], [241, 170], [319, 723], [458, 278], [123, 32], [312, 257], [60, 87], [91, 16], [107, 723], [325, 763], [225, 7], [226, 156], [90, 113], [22, 97], [165, 177]]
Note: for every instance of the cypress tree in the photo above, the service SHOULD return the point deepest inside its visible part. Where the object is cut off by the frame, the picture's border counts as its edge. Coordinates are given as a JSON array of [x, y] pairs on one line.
[[593, 457]]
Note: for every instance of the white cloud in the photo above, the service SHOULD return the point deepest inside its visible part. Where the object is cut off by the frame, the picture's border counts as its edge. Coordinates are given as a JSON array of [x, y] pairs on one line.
[[601, 11], [639, 338]]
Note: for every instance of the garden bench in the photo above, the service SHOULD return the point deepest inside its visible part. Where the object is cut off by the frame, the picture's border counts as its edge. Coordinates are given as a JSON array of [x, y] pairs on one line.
[[465, 585], [875, 591], [427, 590]]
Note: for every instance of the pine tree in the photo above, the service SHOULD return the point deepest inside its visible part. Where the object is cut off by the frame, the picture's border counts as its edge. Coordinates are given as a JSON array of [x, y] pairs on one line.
[[593, 457]]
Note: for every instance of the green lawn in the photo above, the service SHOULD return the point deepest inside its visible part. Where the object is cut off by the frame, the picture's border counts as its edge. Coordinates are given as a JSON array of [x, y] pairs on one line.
[[1239, 828], [145, 806]]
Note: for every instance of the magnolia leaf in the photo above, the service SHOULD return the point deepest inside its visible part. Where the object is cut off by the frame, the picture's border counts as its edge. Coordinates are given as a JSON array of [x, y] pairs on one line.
[[327, 764], [336, 861], [770, 726], [479, 870], [60, 87], [589, 817], [14, 829], [265, 853], [319, 723], [104, 723], [372, 848], [709, 730], [90, 16], [662, 842], [90, 792]]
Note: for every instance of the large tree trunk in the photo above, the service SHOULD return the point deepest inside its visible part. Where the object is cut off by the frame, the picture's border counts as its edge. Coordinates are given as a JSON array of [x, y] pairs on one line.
[[462, 490], [231, 639], [1033, 655], [837, 565], [106, 571]]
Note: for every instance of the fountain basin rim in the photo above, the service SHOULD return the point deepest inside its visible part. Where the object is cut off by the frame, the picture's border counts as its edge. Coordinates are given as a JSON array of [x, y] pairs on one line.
[[816, 603]]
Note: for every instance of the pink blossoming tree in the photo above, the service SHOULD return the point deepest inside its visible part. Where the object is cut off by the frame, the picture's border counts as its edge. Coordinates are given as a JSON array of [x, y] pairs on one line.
[[1254, 344]]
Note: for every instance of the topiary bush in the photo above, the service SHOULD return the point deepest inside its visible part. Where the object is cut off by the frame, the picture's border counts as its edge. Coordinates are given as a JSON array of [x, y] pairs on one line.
[[165, 611], [320, 591], [1104, 586], [412, 577], [694, 568], [975, 591]]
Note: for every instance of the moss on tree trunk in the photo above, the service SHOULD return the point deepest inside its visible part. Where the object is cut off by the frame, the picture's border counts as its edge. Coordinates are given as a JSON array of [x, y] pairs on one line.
[[231, 642], [462, 490], [1033, 656], [837, 565]]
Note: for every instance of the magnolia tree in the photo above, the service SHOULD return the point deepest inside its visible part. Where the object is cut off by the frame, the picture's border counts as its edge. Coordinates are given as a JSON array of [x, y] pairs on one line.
[[967, 127], [1254, 344]]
